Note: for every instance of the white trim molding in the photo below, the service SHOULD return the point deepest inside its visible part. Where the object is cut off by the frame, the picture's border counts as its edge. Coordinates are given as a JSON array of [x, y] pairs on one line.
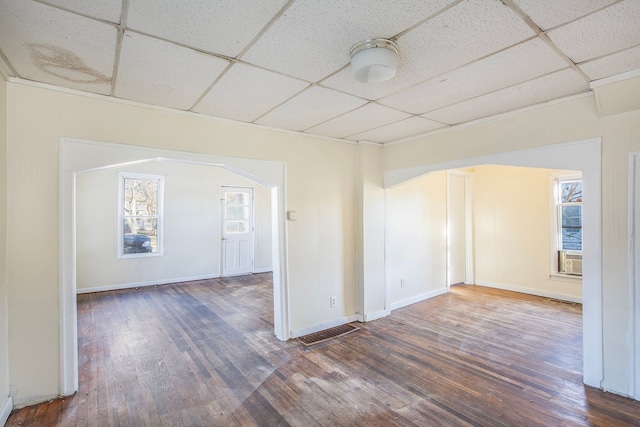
[[6, 411], [633, 279], [528, 291], [425, 296], [117, 287], [322, 326]]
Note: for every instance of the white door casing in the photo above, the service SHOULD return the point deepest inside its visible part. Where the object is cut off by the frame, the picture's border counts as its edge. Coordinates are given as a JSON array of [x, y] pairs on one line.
[[634, 275], [459, 228], [237, 234]]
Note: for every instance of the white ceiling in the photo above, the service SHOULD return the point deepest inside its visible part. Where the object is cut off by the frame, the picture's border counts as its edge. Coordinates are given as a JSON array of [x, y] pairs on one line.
[[285, 64]]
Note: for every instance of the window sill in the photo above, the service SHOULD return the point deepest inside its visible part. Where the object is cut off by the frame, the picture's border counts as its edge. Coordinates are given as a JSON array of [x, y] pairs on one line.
[[565, 277], [140, 255]]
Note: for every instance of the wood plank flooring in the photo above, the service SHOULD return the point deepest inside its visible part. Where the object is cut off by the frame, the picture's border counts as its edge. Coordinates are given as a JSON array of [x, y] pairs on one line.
[[203, 354]]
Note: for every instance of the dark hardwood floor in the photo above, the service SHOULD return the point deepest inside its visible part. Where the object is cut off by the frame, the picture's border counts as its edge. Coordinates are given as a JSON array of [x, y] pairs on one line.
[[203, 354]]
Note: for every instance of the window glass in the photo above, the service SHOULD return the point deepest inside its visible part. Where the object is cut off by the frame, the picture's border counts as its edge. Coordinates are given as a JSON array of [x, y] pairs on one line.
[[569, 206], [571, 217], [237, 213], [236, 199], [140, 215], [571, 191]]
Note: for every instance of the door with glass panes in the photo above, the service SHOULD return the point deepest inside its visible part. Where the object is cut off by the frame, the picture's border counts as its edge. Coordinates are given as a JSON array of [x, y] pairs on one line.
[[237, 231]]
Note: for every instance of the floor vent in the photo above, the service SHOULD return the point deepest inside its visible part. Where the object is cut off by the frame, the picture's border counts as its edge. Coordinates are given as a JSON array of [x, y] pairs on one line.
[[327, 334]]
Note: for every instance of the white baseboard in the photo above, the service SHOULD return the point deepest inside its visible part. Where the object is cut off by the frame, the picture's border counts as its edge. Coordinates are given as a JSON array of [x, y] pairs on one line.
[[142, 284], [322, 326], [376, 315], [262, 270], [535, 292], [6, 411], [399, 304]]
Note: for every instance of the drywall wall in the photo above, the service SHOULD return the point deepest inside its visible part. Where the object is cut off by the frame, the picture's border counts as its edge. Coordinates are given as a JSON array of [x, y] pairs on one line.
[[512, 223], [4, 327], [573, 120], [191, 226], [320, 187], [416, 239]]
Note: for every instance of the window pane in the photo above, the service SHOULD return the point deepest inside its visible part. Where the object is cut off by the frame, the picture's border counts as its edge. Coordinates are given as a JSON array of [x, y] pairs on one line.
[[571, 192], [140, 235], [236, 226], [140, 196], [236, 199], [572, 228], [237, 212]]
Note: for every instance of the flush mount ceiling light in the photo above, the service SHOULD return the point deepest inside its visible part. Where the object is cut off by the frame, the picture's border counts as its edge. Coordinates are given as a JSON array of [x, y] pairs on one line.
[[374, 60]]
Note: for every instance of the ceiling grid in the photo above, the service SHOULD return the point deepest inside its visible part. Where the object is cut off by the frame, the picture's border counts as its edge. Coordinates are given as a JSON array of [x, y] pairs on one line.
[[285, 63]]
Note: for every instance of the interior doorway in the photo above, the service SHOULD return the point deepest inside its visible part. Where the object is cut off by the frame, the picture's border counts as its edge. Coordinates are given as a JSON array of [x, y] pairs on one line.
[[583, 156], [78, 156]]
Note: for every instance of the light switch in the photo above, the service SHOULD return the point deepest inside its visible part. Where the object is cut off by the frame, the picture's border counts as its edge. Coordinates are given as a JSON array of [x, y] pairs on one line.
[[292, 215]]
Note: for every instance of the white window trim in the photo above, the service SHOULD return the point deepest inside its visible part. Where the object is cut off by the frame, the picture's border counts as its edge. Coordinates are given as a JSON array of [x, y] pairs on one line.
[[554, 229], [160, 239]]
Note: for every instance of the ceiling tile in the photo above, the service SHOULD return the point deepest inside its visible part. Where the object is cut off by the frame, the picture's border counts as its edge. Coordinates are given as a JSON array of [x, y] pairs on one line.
[[506, 68], [367, 117], [610, 30], [464, 33], [398, 130], [551, 13], [313, 106], [461, 34], [245, 93], [162, 73], [313, 38], [618, 63], [224, 26], [552, 86], [108, 10], [45, 44]]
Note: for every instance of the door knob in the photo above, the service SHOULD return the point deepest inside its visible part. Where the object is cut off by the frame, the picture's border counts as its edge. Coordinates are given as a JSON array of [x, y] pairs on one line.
[[223, 238]]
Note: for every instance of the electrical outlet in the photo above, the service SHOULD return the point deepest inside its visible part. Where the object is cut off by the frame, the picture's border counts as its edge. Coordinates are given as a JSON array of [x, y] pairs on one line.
[[402, 283], [333, 301]]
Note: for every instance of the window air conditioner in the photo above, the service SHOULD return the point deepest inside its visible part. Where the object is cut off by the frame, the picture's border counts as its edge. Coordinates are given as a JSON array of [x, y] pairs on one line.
[[570, 263]]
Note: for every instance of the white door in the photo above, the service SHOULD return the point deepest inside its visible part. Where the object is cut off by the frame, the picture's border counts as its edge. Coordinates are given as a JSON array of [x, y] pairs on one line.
[[459, 233], [237, 231]]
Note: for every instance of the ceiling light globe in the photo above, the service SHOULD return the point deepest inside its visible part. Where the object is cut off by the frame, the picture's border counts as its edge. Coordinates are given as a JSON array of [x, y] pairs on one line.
[[374, 61]]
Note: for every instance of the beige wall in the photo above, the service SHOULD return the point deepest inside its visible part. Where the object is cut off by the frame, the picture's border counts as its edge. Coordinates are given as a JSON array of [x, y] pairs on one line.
[[417, 241], [191, 226], [4, 328], [511, 231], [320, 187], [569, 121], [511, 224]]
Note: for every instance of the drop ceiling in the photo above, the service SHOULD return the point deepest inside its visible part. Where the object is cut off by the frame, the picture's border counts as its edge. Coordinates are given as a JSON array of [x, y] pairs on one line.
[[285, 64]]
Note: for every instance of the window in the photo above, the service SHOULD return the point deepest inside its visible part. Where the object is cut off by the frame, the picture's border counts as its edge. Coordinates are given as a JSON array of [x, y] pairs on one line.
[[140, 215], [567, 225], [237, 212], [569, 211]]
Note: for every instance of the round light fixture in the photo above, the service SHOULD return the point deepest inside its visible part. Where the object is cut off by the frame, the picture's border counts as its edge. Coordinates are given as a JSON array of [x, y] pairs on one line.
[[374, 60]]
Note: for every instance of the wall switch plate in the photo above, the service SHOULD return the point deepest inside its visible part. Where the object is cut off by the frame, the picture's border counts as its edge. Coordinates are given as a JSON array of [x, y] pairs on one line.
[[292, 215]]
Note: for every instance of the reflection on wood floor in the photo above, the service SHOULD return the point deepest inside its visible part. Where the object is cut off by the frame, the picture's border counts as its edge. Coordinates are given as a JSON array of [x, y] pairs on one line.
[[203, 353]]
